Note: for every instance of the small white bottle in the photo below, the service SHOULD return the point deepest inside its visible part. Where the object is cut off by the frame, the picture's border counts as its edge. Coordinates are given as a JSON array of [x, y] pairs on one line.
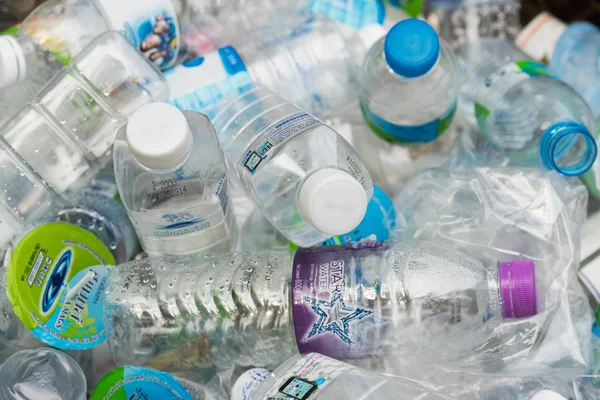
[[172, 179]]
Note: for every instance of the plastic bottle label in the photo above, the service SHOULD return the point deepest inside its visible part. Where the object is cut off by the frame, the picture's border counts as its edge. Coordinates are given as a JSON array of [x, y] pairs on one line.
[[324, 322], [133, 383], [44, 267], [427, 132], [540, 36], [414, 8], [354, 13], [308, 375], [151, 26], [274, 136], [204, 81], [502, 80], [182, 218]]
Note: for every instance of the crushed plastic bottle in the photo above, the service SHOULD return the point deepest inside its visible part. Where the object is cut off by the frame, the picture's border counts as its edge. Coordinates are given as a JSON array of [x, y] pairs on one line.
[[305, 178], [315, 66], [259, 308], [172, 179], [409, 84], [527, 112], [41, 374]]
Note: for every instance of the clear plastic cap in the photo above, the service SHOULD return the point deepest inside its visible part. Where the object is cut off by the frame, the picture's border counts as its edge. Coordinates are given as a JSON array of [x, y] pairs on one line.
[[247, 384], [12, 61], [159, 136], [41, 374], [547, 395], [332, 201]]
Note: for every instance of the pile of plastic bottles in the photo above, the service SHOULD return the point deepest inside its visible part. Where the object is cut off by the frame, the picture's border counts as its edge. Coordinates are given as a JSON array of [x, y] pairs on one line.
[[296, 199]]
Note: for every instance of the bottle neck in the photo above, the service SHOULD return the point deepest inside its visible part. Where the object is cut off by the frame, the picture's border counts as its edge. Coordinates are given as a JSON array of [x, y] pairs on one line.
[[494, 297], [568, 148]]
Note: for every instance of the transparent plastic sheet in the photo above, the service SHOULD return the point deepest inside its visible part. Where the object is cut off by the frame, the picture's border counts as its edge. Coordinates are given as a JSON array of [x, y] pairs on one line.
[[502, 213]]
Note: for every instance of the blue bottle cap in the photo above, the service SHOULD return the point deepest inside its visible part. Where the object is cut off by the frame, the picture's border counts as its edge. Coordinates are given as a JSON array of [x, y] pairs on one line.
[[412, 48]]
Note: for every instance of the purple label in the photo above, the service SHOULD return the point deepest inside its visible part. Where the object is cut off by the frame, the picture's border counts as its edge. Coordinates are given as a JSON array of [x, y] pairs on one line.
[[328, 317]]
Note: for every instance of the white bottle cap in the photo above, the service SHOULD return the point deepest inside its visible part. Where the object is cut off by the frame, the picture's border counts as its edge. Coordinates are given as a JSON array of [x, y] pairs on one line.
[[247, 384], [370, 34], [547, 395], [12, 61], [159, 136], [332, 201], [540, 36]]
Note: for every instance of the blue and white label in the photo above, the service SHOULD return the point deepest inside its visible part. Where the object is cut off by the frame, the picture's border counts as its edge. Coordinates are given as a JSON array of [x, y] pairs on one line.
[[200, 83], [375, 226], [274, 136], [354, 13], [152, 27]]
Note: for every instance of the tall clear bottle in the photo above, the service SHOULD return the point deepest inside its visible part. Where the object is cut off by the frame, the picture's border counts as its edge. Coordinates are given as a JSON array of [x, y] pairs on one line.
[[172, 179], [527, 112], [305, 178], [259, 308]]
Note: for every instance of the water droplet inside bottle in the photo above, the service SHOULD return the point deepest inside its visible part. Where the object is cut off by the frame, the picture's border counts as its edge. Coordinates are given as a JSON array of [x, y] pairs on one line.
[[171, 285], [295, 153], [36, 150]]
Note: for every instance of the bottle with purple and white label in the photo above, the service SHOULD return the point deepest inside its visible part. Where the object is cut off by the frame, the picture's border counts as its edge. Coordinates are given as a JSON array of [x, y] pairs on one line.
[[172, 179], [353, 301]]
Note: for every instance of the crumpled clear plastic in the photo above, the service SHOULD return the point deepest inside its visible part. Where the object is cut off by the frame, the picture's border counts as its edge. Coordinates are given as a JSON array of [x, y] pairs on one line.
[[502, 213]]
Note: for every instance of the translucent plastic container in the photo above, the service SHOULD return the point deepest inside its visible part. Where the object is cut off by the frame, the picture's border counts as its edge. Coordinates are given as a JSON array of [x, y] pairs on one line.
[[172, 178], [66, 134], [305, 178], [527, 113], [410, 84], [260, 308], [41, 374], [313, 65]]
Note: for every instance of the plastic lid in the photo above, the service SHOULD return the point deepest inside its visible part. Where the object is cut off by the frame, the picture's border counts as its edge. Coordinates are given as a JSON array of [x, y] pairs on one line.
[[247, 384], [332, 201], [41, 374], [159, 136], [370, 34], [547, 395], [12, 61], [412, 47], [517, 288]]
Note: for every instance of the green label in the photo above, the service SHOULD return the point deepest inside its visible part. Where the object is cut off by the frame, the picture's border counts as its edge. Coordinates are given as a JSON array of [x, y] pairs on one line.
[[56, 275], [132, 383], [11, 31]]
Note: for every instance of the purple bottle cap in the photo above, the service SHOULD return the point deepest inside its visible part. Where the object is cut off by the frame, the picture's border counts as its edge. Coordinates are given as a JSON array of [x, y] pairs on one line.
[[517, 288]]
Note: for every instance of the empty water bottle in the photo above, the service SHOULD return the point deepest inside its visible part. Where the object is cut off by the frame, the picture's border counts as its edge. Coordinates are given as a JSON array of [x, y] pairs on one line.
[[66, 134], [572, 50], [409, 84], [56, 270], [259, 308], [305, 178], [316, 376], [315, 66], [172, 179], [41, 374], [257, 233], [526, 112], [58, 30]]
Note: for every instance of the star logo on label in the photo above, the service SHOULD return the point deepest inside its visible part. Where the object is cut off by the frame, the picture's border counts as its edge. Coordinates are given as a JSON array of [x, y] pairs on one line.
[[335, 317]]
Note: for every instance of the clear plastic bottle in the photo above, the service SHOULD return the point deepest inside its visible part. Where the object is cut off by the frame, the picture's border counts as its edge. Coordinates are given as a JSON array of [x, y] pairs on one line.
[[64, 258], [319, 377], [41, 374], [172, 179], [314, 66], [529, 114], [305, 178], [58, 30], [257, 233], [65, 135], [259, 308], [410, 84]]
